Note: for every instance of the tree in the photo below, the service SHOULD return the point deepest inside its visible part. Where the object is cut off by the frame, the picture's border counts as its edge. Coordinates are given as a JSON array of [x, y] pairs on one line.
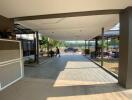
[[105, 45], [114, 42], [44, 42], [48, 42], [55, 43]]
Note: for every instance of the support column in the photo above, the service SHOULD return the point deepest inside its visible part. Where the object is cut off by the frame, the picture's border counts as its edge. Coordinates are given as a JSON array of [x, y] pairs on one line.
[[48, 47], [34, 36], [102, 47], [89, 45], [107, 44], [85, 47], [96, 47], [22, 44], [37, 47], [125, 47]]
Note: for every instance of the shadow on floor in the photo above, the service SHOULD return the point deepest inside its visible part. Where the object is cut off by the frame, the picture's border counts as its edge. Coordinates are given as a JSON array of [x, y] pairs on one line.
[[85, 90], [54, 66], [39, 89], [41, 83]]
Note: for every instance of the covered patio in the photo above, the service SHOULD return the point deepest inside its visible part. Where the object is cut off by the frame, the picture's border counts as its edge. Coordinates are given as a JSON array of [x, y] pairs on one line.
[[66, 78], [70, 76]]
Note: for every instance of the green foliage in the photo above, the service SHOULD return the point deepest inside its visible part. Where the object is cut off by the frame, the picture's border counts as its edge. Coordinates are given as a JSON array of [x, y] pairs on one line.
[[55, 43], [51, 42], [114, 42], [29, 61], [44, 42], [104, 44], [110, 43]]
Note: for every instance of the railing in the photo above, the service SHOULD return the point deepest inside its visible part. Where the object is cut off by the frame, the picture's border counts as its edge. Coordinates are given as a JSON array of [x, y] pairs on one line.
[[11, 62]]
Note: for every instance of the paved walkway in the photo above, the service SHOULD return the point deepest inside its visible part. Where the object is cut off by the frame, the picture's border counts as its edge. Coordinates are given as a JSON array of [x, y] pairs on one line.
[[69, 67], [70, 77]]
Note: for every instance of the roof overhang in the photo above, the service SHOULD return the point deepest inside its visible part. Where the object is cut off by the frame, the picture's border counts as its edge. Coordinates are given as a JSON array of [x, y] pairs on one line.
[[65, 19]]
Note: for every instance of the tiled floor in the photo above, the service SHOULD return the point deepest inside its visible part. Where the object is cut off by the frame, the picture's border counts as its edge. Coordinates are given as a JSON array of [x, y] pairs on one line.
[[70, 77]]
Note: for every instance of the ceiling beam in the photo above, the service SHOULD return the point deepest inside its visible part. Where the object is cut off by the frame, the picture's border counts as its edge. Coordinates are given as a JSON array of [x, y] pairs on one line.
[[71, 14]]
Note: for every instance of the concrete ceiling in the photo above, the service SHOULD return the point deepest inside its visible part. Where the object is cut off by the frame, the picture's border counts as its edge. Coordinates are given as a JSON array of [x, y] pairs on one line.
[[71, 28]]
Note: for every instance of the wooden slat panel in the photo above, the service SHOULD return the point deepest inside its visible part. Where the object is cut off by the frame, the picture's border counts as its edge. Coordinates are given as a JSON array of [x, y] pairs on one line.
[[9, 45], [6, 55]]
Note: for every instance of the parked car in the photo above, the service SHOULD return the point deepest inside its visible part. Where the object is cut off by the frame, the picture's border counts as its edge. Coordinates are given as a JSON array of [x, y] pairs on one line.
[[71, 50]]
